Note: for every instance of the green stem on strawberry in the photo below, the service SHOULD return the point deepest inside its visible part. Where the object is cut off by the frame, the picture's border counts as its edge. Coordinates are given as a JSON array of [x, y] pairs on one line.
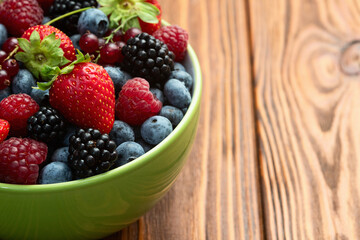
[[66, 15]]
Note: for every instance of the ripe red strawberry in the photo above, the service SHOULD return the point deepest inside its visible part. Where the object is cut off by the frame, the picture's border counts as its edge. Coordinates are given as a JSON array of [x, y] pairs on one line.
[[175, 38], [136, 103], [20, 159], [146, 13], [16, 109], [45, 30], [85, 97], [4, 129], [151, 27], [19, 15]]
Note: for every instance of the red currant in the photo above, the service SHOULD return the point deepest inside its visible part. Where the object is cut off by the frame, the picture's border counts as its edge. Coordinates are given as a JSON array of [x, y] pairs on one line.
[[10, 44], [130, 33], [89, 43], [118, 36], [3, 56], [110, 53], [121, 56], [101, 43], [11, 66], [4, 79]]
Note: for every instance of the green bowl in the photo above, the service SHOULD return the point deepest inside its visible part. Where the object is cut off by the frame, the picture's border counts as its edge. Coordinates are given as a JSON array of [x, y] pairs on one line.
[[98, 206]]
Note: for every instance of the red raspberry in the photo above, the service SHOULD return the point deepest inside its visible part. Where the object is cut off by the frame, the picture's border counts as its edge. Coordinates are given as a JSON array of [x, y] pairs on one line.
[[16, 109], [136, 103], [175, 38], [19, 15], [20, 159], [4, 129]]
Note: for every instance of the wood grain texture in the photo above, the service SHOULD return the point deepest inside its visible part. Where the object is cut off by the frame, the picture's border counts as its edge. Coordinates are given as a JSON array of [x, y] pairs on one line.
[[217, 193], [307, 103]]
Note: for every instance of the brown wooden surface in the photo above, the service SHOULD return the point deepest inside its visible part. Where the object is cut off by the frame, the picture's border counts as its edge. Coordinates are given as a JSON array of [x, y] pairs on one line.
[[276, 155]]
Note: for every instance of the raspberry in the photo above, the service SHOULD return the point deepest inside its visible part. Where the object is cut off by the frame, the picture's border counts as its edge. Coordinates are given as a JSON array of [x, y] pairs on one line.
[[20, 159], [4, 129], [19, 15], [136, 103], [175, 38], [16, 109]]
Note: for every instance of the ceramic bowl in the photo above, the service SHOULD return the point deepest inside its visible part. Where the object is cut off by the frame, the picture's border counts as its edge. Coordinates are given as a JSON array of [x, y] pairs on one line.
[[98, 206]]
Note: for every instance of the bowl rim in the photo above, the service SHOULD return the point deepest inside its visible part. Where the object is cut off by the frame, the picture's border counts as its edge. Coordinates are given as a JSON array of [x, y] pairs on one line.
[[138, 163]]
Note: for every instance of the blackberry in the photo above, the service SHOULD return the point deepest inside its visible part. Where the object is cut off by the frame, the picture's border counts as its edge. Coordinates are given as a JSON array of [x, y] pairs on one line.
[[47, 125], [91, 153], [149, 58], [69, 24]]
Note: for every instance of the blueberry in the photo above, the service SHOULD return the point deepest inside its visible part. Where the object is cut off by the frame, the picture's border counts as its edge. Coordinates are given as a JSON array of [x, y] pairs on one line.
[[4, 93], [69, 132], [39, 95], [179, 67], [3, 34], [174, 114], [147, 147], [156, 129], [23, 82], [93, 20], [127, 152], [118, 77], [45, 20], [60, 155], [184, 110], [158, 94], [55, 172], [182, 77], [75, 40], [177, 94], [121, 132]]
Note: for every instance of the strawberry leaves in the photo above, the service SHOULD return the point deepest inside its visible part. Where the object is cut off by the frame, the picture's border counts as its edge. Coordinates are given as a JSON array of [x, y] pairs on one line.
[[53, 72], [127, 12], [37, 53]]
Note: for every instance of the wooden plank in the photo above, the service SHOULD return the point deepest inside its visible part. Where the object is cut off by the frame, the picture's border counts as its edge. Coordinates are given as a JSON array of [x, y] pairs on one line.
[[217, 194], [307, 100]]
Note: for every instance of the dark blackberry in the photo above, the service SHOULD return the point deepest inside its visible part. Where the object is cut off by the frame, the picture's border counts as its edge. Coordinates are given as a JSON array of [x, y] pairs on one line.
[[69, 24], [47, 125], [91, 153], [149, 58]]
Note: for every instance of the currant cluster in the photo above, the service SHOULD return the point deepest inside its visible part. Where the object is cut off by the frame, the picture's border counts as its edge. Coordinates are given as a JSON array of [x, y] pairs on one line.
[[9, 67], [108, 51]]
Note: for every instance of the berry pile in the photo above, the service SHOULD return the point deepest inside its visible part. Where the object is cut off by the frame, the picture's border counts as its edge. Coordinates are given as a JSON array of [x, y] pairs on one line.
[[90, 93]]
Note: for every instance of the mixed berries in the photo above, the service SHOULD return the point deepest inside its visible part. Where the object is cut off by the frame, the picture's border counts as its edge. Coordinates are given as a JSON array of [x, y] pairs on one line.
[[93, 89]]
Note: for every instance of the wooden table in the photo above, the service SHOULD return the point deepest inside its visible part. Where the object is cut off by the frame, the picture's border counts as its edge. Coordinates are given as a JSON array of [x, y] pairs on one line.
[[278, 148]]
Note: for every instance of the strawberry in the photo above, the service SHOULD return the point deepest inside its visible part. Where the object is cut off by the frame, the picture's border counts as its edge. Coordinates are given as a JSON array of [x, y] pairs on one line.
[[145, 14], [44, 45], [151, 27], [19, 15], [84, 94], [4, 129]]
